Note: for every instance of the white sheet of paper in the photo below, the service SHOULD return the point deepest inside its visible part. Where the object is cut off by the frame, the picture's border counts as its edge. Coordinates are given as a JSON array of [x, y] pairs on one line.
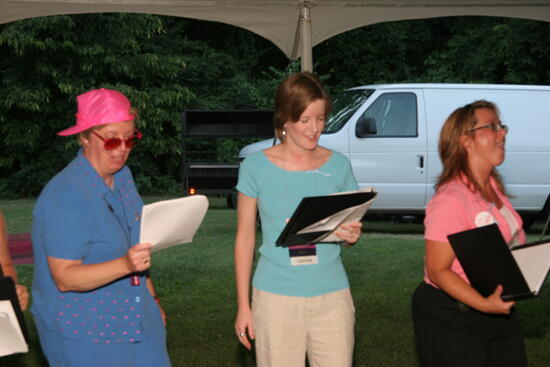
[[172, 222], [534, 262], [11, 337]]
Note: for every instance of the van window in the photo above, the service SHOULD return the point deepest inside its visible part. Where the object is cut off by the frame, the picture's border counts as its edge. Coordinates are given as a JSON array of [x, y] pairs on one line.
[[344, 106], [393, 114]]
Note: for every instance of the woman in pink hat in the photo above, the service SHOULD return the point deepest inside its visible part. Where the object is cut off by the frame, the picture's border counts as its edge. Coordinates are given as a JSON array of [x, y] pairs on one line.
[[93, 300]]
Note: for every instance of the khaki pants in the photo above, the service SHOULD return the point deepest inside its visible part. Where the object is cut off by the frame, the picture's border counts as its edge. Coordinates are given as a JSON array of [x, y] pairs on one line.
[[288, 327]]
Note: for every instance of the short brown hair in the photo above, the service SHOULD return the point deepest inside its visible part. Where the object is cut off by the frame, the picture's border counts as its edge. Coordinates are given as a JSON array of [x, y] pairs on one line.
[[294, 95], [452, 153]]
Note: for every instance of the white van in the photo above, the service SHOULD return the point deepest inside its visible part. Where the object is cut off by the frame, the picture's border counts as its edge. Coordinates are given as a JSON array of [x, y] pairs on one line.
[[390, 134]]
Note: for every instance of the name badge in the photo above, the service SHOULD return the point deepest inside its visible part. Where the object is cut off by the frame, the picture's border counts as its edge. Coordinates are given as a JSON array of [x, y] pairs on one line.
[[303, 255], [484, 218]]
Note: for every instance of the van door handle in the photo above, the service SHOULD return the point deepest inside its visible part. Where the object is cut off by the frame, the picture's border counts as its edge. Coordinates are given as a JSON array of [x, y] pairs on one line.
[[420, 161]]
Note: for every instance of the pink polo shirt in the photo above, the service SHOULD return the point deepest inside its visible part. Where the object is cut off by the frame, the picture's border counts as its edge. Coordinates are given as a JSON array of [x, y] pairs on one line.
[[455, 208]]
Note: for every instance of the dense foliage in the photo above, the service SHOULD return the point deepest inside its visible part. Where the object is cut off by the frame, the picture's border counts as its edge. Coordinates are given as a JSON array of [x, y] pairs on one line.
[[166, 65]]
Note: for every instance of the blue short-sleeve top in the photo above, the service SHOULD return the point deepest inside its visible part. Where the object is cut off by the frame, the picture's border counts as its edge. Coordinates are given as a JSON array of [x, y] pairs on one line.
[[77, 217]]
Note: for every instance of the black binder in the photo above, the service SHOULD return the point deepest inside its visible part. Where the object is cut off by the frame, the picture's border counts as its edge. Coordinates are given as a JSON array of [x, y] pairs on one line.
[[488, 261], [8, 292], [328, 211]]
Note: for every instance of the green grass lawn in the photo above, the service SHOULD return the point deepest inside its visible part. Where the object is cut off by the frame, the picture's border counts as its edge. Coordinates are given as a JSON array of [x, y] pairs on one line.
[[196, 286]]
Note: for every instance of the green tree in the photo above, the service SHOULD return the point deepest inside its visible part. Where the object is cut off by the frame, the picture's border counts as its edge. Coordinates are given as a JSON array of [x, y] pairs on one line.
[[48, 61], [166, 65], [453, 49], [380, 53], [493, 50]]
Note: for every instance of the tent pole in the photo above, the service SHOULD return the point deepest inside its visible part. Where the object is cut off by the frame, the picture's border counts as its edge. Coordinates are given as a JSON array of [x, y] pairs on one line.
[[305, 24]]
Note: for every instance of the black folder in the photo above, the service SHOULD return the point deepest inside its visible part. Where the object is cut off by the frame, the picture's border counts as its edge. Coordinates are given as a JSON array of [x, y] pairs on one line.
[[8, 293], [488, 261], [327, 213]]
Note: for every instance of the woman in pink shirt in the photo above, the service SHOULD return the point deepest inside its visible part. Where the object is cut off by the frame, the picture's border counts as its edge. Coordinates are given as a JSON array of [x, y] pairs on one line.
[[454, 324]]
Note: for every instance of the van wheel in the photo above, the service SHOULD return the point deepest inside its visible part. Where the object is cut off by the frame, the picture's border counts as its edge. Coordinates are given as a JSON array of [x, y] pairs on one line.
[[528, 220], [232, 200], [410, 219]]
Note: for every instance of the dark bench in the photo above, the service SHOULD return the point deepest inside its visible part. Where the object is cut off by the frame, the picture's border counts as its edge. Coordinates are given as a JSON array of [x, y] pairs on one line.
[[20, 247], [208, 170]]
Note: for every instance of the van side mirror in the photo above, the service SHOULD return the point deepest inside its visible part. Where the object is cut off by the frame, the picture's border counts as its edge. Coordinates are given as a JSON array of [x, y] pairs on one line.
[[365, 126]]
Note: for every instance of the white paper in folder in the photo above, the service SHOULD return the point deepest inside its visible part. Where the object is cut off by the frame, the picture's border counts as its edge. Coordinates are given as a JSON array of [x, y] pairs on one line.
[[11, 336], [172, 222]]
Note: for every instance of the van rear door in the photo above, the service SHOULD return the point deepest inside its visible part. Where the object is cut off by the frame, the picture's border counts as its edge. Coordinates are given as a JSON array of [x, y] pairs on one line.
[[388, 148]]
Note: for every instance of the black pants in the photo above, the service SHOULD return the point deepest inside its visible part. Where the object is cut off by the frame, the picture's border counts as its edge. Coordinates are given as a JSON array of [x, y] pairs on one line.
[[449, 333]]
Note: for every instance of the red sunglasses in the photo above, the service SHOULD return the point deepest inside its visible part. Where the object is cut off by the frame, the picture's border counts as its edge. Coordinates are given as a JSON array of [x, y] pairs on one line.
[[114, 143]]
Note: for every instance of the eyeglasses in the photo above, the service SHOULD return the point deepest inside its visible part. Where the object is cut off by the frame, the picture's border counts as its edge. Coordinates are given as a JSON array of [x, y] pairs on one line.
[[114, 143], [496, 127]]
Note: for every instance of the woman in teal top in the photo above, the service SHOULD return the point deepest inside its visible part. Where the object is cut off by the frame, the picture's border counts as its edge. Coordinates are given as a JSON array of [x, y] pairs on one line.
[[301, 302]]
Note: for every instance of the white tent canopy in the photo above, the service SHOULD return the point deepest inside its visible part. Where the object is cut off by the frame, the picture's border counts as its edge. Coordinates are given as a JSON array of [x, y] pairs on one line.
[[294, 26]]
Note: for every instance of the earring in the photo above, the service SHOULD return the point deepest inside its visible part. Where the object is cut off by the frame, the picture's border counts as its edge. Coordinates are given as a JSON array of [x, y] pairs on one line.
[[284, 132]]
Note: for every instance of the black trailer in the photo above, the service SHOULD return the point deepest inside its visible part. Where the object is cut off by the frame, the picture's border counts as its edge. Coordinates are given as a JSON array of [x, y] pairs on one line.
[[208, 170]]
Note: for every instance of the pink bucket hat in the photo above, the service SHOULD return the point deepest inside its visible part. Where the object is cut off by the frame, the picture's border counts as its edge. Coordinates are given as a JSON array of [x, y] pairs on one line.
[[99, 107]]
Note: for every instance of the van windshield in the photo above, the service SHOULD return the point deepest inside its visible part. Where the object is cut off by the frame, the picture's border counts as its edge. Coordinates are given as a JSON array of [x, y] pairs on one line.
[[345, 105]]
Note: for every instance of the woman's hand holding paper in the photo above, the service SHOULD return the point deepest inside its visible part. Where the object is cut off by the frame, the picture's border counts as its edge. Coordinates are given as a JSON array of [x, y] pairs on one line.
[[349, 232]]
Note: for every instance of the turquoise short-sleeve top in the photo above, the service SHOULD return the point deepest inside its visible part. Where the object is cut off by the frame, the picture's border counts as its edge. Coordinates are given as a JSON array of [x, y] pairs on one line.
[[278, 193]]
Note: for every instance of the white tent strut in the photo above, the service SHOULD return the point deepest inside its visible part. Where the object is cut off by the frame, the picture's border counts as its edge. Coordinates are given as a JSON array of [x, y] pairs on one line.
[[305, 26]]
